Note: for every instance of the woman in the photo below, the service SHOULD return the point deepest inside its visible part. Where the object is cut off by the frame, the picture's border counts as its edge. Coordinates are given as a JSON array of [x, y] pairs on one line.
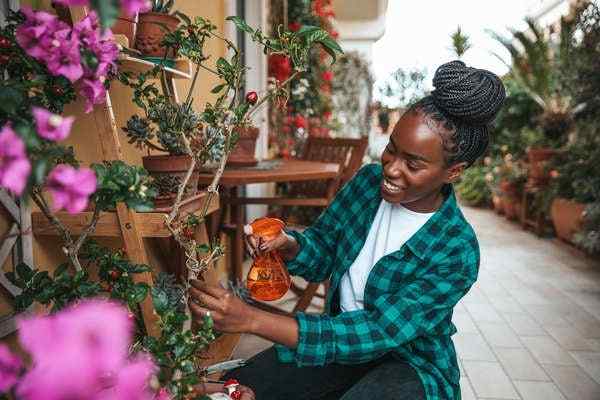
[[399, 255]]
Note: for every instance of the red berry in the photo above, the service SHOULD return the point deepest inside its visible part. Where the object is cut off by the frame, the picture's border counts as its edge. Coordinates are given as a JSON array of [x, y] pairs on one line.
[[114, 275], [4, 43], [236, 395], [188, 232], [4, 59], [251, 97]]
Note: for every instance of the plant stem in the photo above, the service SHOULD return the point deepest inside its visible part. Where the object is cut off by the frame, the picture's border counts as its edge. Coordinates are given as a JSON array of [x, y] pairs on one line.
[[189, 96]]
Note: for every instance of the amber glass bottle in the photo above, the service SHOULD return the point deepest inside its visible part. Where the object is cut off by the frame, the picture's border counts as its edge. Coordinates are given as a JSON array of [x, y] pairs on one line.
[[268, 279]]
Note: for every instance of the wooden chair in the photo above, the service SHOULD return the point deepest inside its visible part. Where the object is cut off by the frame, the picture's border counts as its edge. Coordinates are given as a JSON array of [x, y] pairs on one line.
[[349, 154]]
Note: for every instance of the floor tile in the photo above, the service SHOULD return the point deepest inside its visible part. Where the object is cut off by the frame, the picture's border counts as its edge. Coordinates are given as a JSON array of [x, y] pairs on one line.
[[466, 391], [547, 315], [483, 312], [523, 324], [589, 362], [506, 304], [546, 351], [538, 390], [569, 337], [464, 323], [499, 335], [489, 380], [519, 364], [470, 346], [573, 382]]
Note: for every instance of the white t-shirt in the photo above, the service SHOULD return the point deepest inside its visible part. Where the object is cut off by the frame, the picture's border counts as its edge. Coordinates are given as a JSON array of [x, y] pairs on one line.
[[393, 226]]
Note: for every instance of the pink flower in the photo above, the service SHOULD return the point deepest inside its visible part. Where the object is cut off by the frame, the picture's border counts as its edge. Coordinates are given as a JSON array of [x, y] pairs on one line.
[[51, 126], [132, 7], [327, 76], [64, 57], [163, 394], [81, 353], [94, 92], [10, 368], [32, 35], [14, 164], [71, 188]]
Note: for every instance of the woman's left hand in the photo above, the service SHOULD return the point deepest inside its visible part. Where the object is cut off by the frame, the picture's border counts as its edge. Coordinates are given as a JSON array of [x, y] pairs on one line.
[[229, 313]]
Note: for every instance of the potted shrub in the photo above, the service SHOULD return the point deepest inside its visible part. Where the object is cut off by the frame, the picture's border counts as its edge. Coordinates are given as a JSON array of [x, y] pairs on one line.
[[473, 188], [152, 28], [512, 178]]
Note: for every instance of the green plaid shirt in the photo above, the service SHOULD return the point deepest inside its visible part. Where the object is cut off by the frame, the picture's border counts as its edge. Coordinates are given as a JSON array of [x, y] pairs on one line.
[[409, 295]]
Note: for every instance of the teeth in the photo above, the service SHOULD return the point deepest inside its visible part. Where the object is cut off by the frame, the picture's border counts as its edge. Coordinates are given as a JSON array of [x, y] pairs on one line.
[[391, 187]]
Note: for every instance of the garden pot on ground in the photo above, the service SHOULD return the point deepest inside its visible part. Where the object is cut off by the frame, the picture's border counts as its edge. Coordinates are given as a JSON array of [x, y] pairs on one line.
[[510, 199], [151, 30], [168, 172], [497, 203], [538, 159], [567, 217], [242, 154]]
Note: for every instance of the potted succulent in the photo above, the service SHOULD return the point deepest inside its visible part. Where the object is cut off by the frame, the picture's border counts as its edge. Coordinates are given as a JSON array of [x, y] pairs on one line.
[[152, 28]]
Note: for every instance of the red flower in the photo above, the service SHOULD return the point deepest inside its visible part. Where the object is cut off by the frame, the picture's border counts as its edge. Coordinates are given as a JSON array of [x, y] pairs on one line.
[[327, 115], [294, 26], [299, 121], [327, 76], [335, 34], [251, 97], [279, 67]]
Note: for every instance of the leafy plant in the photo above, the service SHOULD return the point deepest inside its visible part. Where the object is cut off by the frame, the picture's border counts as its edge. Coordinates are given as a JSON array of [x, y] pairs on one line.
[[162, 6], [473, 188], [402, 88], [589, 236], [460, 42]]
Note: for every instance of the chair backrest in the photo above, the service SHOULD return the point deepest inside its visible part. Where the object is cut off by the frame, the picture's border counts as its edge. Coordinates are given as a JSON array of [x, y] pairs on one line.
[[346, 152]]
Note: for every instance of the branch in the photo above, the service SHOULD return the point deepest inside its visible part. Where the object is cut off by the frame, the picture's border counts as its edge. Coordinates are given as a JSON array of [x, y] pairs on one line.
[[88, 230]]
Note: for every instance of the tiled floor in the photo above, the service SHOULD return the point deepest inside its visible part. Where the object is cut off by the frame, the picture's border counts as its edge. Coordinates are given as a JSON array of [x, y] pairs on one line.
[[530, 327]]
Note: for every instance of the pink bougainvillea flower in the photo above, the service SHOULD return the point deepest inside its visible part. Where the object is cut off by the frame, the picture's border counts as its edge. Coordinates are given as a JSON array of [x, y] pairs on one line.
[[64, 57], [93, 91], [133, 381], [10, 368], [132, 7], [81, 353], [51, 126], [163, 394], [71, 188], [14, 164], [38, 26]]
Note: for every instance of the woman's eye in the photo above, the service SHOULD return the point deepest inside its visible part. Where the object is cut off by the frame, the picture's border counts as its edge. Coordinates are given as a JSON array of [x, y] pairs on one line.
[[412, 166]]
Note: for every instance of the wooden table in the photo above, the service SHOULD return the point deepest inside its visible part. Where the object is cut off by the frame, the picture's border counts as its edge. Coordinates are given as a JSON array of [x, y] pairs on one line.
[[280, 170]]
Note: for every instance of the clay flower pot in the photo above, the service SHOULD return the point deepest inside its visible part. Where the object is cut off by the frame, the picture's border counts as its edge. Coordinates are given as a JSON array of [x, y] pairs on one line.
[[567, 217], [538, 158], [126, 26], [242, 154], [497, 203], [168, 172], [152, 28]]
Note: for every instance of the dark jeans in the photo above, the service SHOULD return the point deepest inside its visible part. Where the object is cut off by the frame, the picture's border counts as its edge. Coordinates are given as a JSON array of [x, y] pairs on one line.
[[383, 379]]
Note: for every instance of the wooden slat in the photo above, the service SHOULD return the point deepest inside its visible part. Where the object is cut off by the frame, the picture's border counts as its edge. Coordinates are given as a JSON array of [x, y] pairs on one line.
[[135, 250], [282, 201], [10, 205], [150, 224], [182, 70], [8, 324], [5, 251], [26, 234]]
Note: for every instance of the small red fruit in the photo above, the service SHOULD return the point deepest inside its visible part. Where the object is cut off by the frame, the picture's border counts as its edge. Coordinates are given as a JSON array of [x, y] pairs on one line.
[[114, 275], [251, 98], [236, 395], [4, 43], [188, 232]]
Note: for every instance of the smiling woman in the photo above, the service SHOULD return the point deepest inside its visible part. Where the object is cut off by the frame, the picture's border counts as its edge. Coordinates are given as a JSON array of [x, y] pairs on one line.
[[399, 255]]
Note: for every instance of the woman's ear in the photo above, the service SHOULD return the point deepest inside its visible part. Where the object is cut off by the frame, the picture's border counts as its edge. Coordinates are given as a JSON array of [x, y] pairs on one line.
[[455, 171]]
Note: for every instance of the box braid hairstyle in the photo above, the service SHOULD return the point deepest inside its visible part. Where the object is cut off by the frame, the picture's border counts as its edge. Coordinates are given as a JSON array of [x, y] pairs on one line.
[[461, 108]]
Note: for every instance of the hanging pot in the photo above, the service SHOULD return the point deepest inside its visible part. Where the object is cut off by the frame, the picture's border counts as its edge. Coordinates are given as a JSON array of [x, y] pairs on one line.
[[168, 172]]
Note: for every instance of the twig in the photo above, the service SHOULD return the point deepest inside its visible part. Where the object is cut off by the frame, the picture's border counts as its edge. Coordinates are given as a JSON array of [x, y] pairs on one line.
[[88, 230]]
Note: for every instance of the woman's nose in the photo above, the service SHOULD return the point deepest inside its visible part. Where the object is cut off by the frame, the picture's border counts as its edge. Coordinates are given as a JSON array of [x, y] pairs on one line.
[[394, 169]]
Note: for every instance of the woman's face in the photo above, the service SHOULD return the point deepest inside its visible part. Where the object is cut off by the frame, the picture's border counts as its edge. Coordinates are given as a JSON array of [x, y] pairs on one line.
[[414, 169]]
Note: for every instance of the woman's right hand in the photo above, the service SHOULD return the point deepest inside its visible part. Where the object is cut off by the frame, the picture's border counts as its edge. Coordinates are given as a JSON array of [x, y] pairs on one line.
[[284, 243]]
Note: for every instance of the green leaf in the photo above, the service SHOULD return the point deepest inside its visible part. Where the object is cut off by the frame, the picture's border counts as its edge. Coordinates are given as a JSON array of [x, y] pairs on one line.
[[218, 88], [39, 171], [240, 24], [307, 29], [140, 291], [61, 269], [331, 47], [160, 301], [24, 272], [108, 11], [10, 99], [183, 17]]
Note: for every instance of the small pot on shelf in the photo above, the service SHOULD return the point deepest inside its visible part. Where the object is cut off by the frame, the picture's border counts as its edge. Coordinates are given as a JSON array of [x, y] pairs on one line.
[[242, 154], [168, 172], [152, 28]]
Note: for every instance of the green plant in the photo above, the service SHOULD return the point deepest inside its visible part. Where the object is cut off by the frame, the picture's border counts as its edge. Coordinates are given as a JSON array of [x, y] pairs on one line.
[[460, 42], [473, 188], [402, 88], [162, 6], [589, 236]]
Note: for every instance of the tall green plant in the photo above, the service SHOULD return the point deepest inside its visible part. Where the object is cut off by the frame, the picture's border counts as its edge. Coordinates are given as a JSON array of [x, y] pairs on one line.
[[460, 42]]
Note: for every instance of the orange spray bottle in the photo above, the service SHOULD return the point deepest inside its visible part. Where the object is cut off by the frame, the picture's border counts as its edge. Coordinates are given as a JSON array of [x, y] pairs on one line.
[[268, 278]]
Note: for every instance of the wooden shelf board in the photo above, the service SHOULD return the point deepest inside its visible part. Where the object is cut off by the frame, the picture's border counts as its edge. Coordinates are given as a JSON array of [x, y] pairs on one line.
[[150, 224], [182, 70]]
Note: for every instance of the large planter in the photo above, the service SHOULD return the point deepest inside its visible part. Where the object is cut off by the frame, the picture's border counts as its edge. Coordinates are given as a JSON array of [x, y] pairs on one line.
[[567, 217], [538, 159], [168, 172], [151, 30], [510, 199], [242, 154]]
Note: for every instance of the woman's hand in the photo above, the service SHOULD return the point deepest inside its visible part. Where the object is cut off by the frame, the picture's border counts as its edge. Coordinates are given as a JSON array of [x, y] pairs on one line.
[[284, 243], [229, 313]]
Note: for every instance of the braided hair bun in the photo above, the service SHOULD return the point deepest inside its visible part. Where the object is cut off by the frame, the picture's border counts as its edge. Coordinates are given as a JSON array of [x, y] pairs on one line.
[[465, 101], [468, 95]]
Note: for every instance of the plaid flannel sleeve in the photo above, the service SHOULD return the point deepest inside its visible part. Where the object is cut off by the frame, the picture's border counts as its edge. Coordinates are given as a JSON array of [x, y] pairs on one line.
[[396, 318], [318, 243]]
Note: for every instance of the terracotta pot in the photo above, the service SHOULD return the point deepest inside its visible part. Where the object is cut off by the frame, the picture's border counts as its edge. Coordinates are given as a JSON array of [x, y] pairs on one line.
[[497, 203], [511, 207], [168, 172], [509, 188], [152, 28], [538, 159], [127, 26], [242, 154], [567, 217]]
